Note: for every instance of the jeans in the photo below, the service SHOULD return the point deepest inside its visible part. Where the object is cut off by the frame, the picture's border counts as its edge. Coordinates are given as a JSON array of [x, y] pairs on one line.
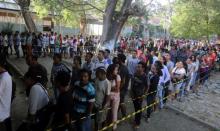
[[160, 95], [150, 101], [166, 91], [16, 47], [82, 125], [137, 106]]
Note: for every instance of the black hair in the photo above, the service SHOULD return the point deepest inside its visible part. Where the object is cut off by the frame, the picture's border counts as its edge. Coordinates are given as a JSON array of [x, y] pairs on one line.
[[36, 73], [115, 60], [159, 67], [78, 58], [108, 51], [63, 78], [110, 71], [58, 55], [90, 53], [122, 58], [142, 64], [82, 71]]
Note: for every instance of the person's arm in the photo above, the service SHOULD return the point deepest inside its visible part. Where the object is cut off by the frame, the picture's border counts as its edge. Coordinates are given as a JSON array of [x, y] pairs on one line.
[[118, 83], [107, 96]]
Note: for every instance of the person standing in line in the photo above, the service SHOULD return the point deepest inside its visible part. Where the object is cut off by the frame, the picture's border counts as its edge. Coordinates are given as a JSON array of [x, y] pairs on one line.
[[38, 99], [5, 96], [107, 57], [63, 108], [17, 41], [88, 61], [57, 67], [44, 41], [52, 38], [124, 74], [29, 44], [115, 80], [77, 62], [100, 62], [10, 43], [132, 63], [1, 42], [102, 98], [23, 44], [5, 46], [39, 44], [154, 77], [64, 47], [83, 98], [139, 86]]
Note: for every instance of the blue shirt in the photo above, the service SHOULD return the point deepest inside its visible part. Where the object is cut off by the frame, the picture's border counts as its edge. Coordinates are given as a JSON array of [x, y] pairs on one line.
[[82, 96]]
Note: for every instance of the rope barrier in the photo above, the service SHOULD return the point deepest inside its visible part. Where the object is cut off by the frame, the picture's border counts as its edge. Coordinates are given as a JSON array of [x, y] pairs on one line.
[[129, 101], [141, 110]]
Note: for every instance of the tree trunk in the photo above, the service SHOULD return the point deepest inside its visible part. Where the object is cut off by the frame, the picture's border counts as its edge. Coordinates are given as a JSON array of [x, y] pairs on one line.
[[82, 25], [113, 23], [29, 21]]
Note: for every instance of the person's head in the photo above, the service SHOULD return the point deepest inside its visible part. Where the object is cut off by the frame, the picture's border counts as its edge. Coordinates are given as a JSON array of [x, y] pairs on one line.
[[112, 71], [85, 76], [193, 58], [115, 60], [134, 53], [57, 58], [101, 55], [162, 59], [35, 75], [156, 69], [88, 57], [141, 67], [31, 60], [62, 80], [189, 61], [77, 61], [107, 53], [101, 73], [167, 56], [179, 64], [121, 58]]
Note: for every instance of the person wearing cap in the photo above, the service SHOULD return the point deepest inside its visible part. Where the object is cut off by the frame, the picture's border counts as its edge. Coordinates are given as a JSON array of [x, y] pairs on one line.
[[102, 98]]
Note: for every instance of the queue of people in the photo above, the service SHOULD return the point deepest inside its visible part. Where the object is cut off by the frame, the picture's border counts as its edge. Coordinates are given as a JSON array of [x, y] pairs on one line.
[[100, 85]]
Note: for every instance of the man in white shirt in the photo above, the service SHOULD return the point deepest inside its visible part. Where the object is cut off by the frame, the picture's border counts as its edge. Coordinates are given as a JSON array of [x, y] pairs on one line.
[[100, 62], [5, 96]]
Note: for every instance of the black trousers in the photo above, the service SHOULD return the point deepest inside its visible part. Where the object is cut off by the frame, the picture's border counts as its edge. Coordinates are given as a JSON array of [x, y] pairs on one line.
[[166, 91], [6, 125], [150, 101], [137, 106]]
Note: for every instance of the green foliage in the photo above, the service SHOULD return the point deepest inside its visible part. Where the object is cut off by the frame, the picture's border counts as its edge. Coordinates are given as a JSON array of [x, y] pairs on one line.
[[196, 18]]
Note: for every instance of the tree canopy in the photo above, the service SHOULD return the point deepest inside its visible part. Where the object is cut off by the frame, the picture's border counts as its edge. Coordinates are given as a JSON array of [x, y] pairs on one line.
[[196, 18]]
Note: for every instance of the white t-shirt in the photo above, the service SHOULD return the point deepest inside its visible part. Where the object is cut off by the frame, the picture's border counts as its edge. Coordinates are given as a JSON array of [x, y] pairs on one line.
[[5, 95], [179, 71], [113, 82], [38, 98]]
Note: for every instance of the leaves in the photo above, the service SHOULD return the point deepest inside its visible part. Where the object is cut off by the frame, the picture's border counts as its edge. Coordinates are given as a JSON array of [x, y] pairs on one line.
[[195, 18]]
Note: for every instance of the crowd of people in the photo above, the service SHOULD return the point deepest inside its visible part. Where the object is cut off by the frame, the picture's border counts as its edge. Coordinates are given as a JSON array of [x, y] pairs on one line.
[[43, 44], [100, 85]]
